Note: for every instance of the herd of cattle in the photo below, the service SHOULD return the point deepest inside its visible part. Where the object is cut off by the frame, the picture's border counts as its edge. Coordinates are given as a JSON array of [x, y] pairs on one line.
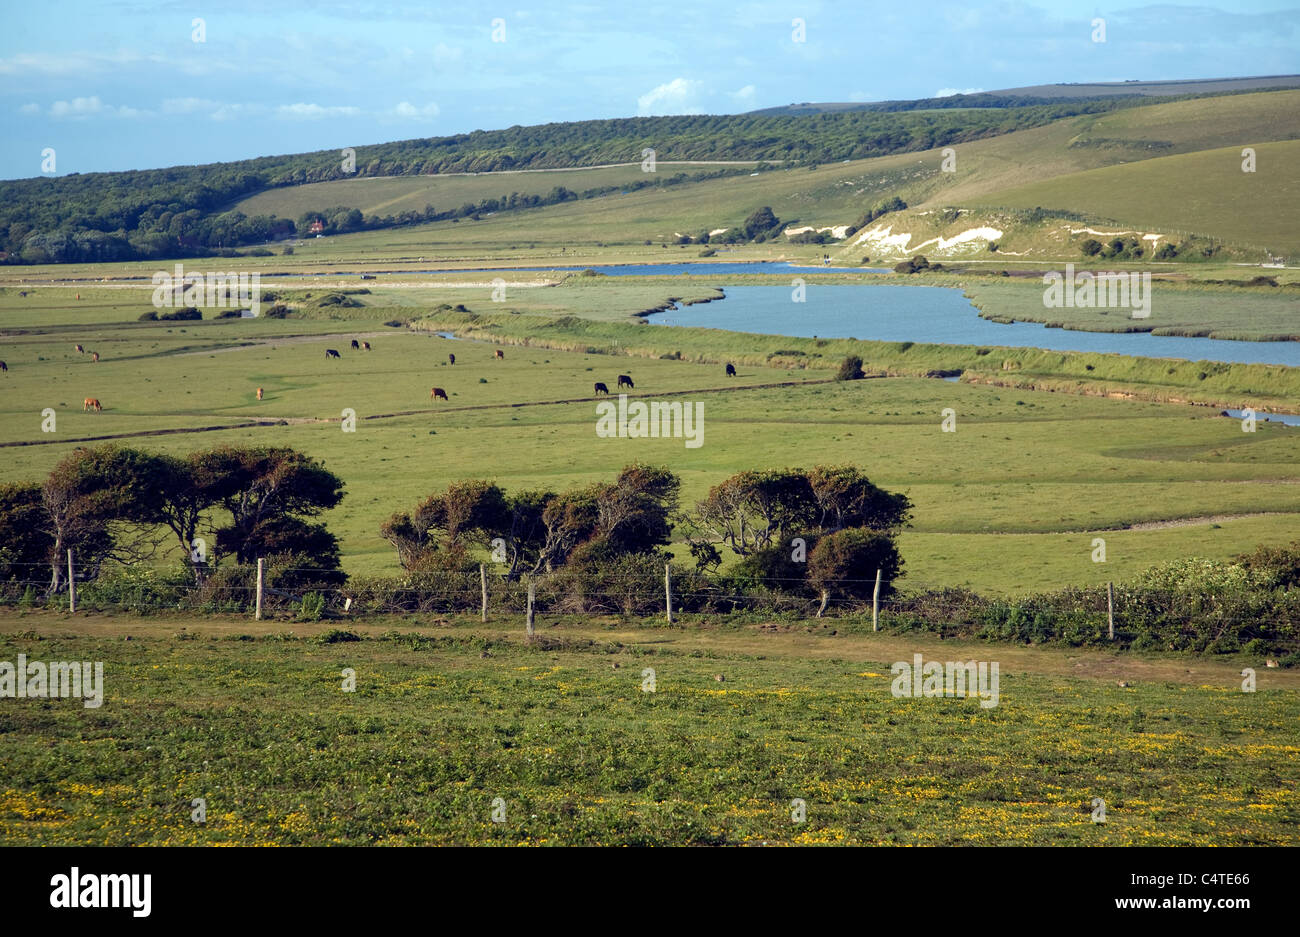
[[436, 393]]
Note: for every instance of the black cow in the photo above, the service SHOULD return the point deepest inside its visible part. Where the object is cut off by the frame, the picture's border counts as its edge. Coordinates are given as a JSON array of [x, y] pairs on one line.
[[624, 380], [355, 345], [3, 366], [601, 388], [731, 370], [331, 353], [451, 359]]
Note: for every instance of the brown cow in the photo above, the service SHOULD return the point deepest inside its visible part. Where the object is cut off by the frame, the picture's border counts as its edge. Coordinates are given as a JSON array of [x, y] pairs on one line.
[[94, 356], [259, 393], [92, 403], [451, 359], [601, 388], [80, 350], [438, 394], [365, 345], [501, 355]]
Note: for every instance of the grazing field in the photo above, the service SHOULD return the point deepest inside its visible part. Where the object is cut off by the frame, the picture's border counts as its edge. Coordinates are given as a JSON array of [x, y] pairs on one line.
[[1177, 308], [446, 717], [1009, 503]]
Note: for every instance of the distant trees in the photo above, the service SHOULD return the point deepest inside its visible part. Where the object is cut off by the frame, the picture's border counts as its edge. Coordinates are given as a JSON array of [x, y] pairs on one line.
[[777, 520], [893, 203], [25, 542], [759, 225], [916, 265], [96, 501], [184, 211], [850, 369], [118, 503], [537, 531]]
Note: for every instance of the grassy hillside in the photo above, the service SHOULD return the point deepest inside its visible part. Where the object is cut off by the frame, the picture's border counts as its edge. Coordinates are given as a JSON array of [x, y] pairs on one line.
[[391, 195], [1204, 193], [838, 193]]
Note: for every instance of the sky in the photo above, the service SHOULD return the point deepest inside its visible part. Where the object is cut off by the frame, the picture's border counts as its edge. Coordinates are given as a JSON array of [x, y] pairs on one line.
[[114, 84]]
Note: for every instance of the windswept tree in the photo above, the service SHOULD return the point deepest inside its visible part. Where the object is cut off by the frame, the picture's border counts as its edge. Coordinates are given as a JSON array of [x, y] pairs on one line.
[[570, 518], [845, 563], [754, 510], [264, 489], [845, 497], [540, 530], [99, 503], [446, 524], [25, 544], [192, 485], [633, 513]]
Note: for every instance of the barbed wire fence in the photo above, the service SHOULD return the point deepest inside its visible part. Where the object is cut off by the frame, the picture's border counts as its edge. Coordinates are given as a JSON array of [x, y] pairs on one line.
[[648, 589]]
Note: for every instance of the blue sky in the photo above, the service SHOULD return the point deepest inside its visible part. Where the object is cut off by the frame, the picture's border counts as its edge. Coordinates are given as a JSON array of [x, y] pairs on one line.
[[112, 84]]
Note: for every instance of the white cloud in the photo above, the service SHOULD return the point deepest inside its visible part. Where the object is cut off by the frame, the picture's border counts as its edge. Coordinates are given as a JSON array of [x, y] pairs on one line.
[[445, 54], [231, 112], [188, 105], [91, 107], [48, 63], [315, 111], [29, 109], [949, 92], [859, 97], [77, 107], [679, 96], [745, 96], [409, 111]]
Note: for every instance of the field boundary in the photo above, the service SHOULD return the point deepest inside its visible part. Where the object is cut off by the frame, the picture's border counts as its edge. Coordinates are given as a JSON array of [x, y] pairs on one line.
[[281, 421]]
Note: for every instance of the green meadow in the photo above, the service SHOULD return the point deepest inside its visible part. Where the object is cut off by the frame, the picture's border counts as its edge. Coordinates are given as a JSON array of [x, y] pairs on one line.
[[600, 733], [1009, 503]]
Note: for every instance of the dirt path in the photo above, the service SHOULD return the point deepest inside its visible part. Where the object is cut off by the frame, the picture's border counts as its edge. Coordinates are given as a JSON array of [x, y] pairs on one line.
[[290, 420], [290, 340], [802, 640], [1204, 519]]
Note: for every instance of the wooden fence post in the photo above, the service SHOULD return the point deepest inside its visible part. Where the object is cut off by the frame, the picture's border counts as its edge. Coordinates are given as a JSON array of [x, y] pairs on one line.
[[668, 592], [482, 582], [1110, 608], [531, 596], [875, 605], [261, 571], [72, 585]]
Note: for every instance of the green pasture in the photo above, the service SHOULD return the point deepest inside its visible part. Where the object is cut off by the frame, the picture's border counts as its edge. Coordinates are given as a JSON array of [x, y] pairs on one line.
[[448, 717], [1176, 308], [1010, 502]]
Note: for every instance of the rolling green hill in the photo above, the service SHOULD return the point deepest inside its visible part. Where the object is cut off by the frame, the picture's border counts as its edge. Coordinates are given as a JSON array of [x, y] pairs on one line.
[[1204, 193], [389, 195]]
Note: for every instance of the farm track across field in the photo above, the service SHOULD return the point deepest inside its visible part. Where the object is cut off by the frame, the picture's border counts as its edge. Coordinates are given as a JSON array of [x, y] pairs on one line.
[[281, 421]]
